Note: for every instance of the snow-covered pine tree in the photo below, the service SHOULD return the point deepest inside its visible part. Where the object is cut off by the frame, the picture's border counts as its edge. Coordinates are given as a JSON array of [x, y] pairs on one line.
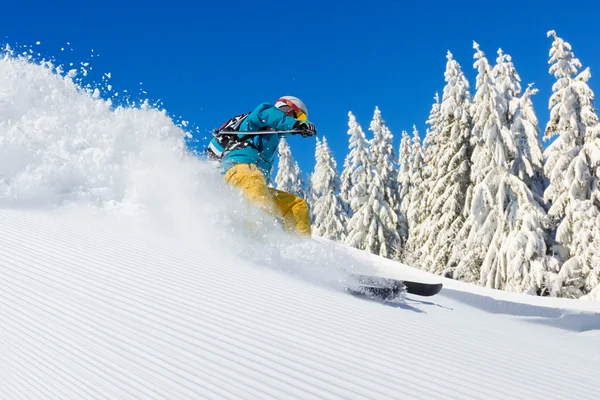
[[448, 156], [383, 161], [289, 177], [415, 201], [572, 166], [431, 141], [307, 191], [404, 171], [415, 206], [490, 139], [579, 276], [367, 229], [493, 140], [360, 176], [346, 187], [300, 188], [506, 239], [506, 78], [382, 153], [329, 216], [404, 183], [523, 255], [523, 263], [359, 162], [413, 246], [527, 164]]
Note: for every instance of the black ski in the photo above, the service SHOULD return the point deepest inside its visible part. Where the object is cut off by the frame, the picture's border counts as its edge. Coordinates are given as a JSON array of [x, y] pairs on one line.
[[389, 289]]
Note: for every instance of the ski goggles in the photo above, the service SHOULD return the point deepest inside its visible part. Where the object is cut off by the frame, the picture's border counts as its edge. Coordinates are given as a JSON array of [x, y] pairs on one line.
[[298, 113]]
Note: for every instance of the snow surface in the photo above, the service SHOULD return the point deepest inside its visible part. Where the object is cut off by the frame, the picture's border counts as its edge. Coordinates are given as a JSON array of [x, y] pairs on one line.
[[91, 309], [128, 269]]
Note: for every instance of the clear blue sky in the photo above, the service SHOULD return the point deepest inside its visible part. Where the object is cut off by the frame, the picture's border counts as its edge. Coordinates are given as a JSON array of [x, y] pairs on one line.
[[207, 61]]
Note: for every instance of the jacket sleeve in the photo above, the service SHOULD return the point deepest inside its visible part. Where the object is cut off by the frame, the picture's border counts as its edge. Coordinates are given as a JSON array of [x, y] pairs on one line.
[[215, 147], [269, 116]]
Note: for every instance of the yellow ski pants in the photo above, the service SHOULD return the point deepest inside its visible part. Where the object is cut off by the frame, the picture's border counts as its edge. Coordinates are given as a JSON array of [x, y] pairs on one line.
[[292, 209]]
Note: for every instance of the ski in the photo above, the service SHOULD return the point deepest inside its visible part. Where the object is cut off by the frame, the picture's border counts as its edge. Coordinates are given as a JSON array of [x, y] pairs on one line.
[[390, 289], [422, 288]]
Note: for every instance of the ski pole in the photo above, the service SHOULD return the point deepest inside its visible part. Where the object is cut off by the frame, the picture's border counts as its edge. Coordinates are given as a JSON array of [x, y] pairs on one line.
[[293, 131]]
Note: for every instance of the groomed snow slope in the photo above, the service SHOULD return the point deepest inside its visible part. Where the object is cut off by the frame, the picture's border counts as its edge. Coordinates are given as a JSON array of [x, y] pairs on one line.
[[129, 270], [89, 311]]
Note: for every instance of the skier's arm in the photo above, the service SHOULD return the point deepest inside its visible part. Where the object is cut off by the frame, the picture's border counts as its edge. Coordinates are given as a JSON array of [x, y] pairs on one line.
[[271, 117]]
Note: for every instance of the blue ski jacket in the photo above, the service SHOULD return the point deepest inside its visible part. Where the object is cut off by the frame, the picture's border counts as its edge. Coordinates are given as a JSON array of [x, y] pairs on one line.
[[264, 147]]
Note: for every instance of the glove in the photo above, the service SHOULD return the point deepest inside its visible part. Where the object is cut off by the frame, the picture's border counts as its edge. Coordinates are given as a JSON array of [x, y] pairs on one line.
[[308, 128]]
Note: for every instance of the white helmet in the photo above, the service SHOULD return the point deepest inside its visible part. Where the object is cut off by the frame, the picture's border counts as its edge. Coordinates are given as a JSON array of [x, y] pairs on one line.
[[297, 105]]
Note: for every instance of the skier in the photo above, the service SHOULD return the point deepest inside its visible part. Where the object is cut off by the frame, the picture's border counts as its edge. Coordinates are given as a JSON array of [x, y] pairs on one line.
[[247, 159]]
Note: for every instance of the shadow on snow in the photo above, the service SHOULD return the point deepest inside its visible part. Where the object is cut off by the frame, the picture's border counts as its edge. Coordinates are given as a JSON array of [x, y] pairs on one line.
[[575, 321]]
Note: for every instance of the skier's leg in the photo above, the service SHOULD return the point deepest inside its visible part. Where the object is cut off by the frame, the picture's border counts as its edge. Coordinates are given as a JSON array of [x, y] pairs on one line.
[[294, 211], [253, 184]]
